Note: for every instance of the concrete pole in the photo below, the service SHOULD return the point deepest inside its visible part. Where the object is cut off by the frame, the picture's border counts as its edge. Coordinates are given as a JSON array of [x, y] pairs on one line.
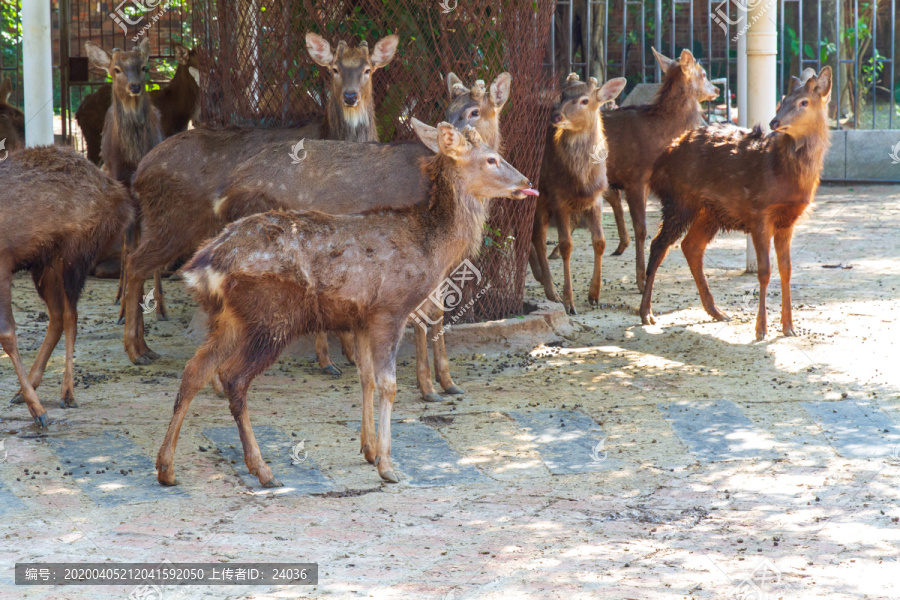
[[761, 48], [741, 68], [37, 68]]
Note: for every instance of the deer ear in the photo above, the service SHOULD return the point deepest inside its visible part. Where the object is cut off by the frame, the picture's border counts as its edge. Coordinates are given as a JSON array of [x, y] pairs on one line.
[[610, 90], [144, 49], [687, 62], [384, 51], [807, 74], [5, 89], [795, 83], [455, 86], [664, 61], [451, 142], [97, 55], [319, 49], [500, 90], [182, 54], [426, 134], [195, 73], [823, 83]]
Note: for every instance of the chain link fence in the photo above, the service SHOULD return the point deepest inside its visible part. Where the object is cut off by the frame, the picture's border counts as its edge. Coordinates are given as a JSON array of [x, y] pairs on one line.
[[258, 73]]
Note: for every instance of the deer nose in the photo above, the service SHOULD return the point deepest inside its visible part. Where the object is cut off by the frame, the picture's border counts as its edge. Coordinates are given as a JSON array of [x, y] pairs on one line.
[[557, 118], [775, 124], [135, 88], [350, 98]]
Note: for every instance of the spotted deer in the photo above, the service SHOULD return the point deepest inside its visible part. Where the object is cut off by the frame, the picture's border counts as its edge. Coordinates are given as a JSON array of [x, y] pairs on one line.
[[723, 178], [270, 278]]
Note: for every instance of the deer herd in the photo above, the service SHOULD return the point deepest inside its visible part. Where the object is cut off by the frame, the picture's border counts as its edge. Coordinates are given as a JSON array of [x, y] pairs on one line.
[[277, 250]]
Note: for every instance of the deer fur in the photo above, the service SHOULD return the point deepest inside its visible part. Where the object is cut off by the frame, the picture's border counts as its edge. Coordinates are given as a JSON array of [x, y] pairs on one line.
[[57, 212], [723, 178], [270, 278], [637, 135], [176, 201], [573, 174], [12, 120]]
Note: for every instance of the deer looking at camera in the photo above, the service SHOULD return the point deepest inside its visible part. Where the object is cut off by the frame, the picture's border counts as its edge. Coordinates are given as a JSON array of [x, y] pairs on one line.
[[270, 278], [573, 174], [57, 211], [178, 103], [637, 135], [724, 178], [177, 202], [320, 183]]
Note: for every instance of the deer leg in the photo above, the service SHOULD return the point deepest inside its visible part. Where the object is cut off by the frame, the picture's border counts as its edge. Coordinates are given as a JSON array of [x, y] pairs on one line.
[[700, 234], [783, 253], [441, 362], [563, 224], [236, 390], [636, 196], [10, 345], [48, 283], [138, 271], [197, 372], [365, 366], [675, 221], [70, 322], [129, 243], [595, 223], [761, 242], [161, 313], [539, 243], [324, 356], [386, 380], [423, 370], [535, 264], [614, 199], [348, 346]]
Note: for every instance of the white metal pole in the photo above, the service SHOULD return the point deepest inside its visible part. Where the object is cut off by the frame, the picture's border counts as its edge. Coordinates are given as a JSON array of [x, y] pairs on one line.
[[741, 68], [37, 68], [761, 47]]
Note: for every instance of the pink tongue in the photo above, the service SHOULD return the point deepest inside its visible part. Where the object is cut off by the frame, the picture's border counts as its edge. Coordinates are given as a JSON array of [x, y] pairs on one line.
[[530, 192]]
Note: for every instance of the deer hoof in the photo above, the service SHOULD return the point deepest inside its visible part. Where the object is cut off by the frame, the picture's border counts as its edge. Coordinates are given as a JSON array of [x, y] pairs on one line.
[[648, 319], [593, 301], [620, 250], [18, 398], [68, 401], [120, 321], [432, 397], [789, 332], [161, 316], [389, 476], [165, 475], [571, 311], [272, 483], [331, 370], [455, 390], [42, 421], [141, 360]]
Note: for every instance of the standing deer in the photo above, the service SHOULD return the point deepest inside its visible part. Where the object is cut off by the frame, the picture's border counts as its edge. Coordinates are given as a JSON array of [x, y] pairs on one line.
[[178, 103], [12, 121], [637, 135], [57, 211], [270, 278], [573, 175], [323, 185], [178, 183], [725, 178]]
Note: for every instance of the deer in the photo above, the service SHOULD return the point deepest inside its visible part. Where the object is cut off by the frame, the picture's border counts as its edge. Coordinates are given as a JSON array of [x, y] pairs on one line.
[[573, 175], [325, 187], [131, 129], [12, 120], [178, 103], [168, 189], [57, 212], [269, 278], [638, 135], [724, 178]]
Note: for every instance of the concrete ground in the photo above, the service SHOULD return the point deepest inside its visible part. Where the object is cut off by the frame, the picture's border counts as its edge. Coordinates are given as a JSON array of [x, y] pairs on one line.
[[681, 460]]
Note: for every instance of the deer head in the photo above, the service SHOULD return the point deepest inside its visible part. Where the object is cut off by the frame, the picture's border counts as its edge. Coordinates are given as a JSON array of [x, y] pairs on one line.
[[804, 110], [351, 68], [478, 107], [578, 107], [127, 69], [701, 88]]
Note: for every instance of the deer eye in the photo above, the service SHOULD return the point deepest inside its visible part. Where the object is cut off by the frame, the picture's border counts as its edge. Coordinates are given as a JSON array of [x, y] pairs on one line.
[[584, 101], [475, 114], [368, 71], [117, 70], [492, 161], [334, 70], [804, 103]]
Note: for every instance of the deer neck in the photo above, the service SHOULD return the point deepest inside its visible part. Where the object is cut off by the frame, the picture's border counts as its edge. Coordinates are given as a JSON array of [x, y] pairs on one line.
[[675, 105], [453, 219], [351, 124], [803, 157], [136, 129], [576, 151]]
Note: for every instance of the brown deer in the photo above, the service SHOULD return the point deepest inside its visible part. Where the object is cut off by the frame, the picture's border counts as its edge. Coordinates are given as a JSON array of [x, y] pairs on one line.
[[12, 120], [725, 178], [178, 103], [478, 107], [57, 212], [637, 135], [326, 188], [270, 278], [573, 174]]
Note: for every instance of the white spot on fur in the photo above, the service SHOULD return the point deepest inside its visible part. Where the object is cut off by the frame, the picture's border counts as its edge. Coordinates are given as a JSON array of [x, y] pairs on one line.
[[215, 280], [217, 204]]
